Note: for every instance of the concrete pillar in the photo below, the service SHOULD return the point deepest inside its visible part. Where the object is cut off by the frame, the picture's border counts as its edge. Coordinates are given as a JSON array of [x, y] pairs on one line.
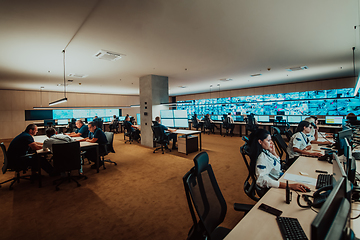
[[153, 91]]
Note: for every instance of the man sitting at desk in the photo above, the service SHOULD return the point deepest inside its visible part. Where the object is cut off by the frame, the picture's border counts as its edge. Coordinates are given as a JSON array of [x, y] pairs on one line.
[[98, 137], [134, 129], [22, 145], [81, 131], [170, 134]]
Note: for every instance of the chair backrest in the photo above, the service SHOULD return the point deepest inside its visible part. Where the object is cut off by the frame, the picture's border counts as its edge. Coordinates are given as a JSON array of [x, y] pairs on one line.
[[159, 135], [280, 144], [207, 123], [250, 181], [250, 123], [205, 194], [3, 148], [110, 140], [66, 156]]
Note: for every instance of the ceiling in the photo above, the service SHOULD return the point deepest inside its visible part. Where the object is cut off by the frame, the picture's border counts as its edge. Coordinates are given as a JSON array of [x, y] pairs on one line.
[[193, 42]]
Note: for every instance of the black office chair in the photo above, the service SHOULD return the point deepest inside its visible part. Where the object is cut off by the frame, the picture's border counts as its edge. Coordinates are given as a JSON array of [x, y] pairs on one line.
[[17, 169], [227, 125], [204, 195], [114, 126], [107, 148], [66, 157], [195, 124], [208, 126], [160, 138], [280, 146], [250, 126]]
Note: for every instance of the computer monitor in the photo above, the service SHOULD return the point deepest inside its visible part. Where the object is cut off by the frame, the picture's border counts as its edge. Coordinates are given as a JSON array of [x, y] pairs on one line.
[[62, 121], [122, 118], [294, 119], [89, 119], [168, 122], [333, 120], [49, 122], [280, 113], [166, 114], [340, 224], [138, 120], [280, 118], [239, 118], [350, 166], [338, 169], [324, 219], [106, 119], [180, 114], [263, 118], [181, 123]]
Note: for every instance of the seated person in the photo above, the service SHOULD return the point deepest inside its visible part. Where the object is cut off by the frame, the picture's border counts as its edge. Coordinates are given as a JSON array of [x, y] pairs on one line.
[[54, 138], [299, 142], [81, 131], [72, 125], [231, 121], [97, 136], [313, 135], [114, 124], [23, 144], [352, 119], [196, 122], [171, 135], [98, 122], [266, 163], [134, 129], [208, 123]]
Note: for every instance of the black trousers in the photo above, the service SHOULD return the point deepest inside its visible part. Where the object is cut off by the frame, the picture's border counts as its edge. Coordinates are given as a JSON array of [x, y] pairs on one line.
[[173, 137]]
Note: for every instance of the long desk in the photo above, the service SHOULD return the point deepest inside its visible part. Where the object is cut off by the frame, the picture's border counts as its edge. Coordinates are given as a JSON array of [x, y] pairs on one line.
[[258, 224]]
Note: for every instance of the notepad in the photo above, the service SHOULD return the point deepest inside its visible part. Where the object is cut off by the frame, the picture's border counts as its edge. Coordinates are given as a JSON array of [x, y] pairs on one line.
[[300, 179]]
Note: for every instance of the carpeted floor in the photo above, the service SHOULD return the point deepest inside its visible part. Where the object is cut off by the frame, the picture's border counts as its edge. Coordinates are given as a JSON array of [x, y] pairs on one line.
[[140, 198]]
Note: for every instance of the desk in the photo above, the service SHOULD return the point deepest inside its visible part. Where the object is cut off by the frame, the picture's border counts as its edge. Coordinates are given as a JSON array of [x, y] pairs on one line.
[[258, 224], [83, 145], [187, 133]]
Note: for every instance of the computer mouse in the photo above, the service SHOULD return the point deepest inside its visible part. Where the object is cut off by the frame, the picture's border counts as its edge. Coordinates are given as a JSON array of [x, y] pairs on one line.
[[307, 189]]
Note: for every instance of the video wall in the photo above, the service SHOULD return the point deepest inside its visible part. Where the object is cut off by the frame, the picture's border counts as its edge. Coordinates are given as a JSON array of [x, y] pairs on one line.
[[70, 113], [335, 102]]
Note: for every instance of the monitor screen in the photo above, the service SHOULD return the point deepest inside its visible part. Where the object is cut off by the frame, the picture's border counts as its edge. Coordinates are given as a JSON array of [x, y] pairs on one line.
[[281, 118], [294, 119], [106, 119], [49, 122], [180, 114], [263, 118], [338, 169], [90, 119], [333, 119], [63, 113], [325, 217], [168, 122], [166, 114], [122, 118], [138, 121], [62, 121], [304, 117], [181, 123]]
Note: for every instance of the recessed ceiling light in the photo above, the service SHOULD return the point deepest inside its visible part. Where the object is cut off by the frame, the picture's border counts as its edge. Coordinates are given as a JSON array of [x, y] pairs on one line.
[[108, 55], [77, 75], [226, 79], [297, 68], [182, 86], [61, 84], [256, 75]]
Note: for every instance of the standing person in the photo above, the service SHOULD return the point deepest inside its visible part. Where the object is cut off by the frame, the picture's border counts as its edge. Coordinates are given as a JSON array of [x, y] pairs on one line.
[[300, 143], [22, 145], [171, 134], [81, 131], [98, 137], [231, 123], [266, 163]]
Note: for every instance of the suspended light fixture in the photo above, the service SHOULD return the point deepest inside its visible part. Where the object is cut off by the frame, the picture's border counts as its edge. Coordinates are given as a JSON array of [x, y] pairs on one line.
[[62, 100]]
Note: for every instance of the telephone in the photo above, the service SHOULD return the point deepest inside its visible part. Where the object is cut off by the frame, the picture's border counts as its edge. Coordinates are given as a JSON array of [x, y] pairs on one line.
[[319, 197]]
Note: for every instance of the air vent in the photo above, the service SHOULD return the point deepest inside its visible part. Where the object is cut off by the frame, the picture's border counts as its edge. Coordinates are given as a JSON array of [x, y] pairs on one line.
[[77, 75], [256, 75], [182, 86], [297, 68], [108, 56], [226, 79]]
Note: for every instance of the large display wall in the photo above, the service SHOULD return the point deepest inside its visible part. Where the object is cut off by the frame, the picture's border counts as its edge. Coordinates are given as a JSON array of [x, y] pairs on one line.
[[324, 102]]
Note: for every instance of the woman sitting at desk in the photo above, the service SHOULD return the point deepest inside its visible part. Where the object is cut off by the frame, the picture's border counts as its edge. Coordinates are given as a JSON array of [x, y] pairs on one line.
[[300, 143], [266, 163]]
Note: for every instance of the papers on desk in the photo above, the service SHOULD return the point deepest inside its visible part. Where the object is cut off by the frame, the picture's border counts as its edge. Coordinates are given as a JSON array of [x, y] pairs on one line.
[[300, 179]]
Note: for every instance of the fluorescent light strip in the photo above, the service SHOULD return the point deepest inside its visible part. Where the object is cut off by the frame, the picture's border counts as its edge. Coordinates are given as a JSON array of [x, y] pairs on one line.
[[58, 101], [357, 87]]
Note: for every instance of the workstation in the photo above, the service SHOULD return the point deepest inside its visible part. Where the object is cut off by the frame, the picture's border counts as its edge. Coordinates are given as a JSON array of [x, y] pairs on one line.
[[96, 58]]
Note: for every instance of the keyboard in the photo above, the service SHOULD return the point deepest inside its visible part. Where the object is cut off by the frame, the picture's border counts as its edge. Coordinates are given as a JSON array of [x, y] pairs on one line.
[[323, 180], [290, 228]]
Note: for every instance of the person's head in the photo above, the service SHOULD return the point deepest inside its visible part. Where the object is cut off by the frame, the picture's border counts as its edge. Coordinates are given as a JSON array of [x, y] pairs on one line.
[[92, 126], [96, 117], [316, 119], [31, 129], [114, 116], [350, 116], [311, 120], [258, 140], [79, 123], [304, 126], [207, 115], [127, 118], [229, 113], [50, 131], [157, 119]]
